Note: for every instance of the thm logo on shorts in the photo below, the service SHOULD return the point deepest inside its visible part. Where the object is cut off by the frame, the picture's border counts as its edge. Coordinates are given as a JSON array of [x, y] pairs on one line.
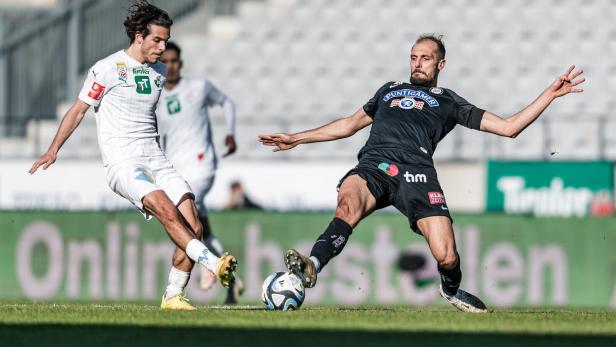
[[436, 198], [417, 178]]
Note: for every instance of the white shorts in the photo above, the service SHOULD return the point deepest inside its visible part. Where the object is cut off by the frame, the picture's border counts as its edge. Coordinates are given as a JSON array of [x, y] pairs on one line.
[[201, 185], [135, 179]]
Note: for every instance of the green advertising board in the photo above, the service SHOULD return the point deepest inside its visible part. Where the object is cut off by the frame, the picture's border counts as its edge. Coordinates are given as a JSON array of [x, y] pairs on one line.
[[506, 260], [564, 189]]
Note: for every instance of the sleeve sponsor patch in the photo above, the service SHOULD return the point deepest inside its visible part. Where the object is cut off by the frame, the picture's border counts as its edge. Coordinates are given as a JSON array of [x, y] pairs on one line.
[[96, 91], [436, 198]]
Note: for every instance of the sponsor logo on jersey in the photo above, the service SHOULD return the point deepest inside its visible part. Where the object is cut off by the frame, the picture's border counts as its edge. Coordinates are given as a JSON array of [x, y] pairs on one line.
[[143, 84], [173, 104], [122, 72], [407, 103], [142, 70], [416, 178], [395, 84], [436, 90], [96, 91], [436, 198], [411, 93], [389, 169]]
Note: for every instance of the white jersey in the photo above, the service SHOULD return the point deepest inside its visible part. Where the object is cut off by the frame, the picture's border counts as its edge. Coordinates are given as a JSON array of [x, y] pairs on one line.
[[125, 93], [184, 125]]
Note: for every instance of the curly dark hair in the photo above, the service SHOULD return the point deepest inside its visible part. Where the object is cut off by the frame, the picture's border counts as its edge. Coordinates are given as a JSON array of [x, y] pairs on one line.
[[142, 14]]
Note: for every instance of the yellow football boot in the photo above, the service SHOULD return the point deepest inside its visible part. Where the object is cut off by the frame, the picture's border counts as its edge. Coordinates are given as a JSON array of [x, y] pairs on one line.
[[177, 302], [226, 268]]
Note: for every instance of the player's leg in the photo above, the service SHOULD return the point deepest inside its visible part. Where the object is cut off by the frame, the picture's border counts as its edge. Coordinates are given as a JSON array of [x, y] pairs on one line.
[[355, 202], [438, 231], [160, 206], [179, 274]]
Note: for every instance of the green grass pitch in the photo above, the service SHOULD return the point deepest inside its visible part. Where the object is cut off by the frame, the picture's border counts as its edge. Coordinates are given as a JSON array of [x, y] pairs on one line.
[[72, 324]]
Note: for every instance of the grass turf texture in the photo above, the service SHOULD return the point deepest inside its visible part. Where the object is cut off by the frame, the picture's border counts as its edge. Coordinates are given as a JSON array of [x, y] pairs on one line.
[[143, 325]]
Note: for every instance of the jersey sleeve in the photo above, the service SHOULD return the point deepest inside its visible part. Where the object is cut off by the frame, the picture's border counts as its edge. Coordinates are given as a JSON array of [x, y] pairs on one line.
[[373, 104], [95, 86], [214, 96], [465, 113]]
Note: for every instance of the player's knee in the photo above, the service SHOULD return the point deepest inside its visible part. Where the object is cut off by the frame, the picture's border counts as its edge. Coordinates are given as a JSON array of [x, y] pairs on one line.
[[345, 212]]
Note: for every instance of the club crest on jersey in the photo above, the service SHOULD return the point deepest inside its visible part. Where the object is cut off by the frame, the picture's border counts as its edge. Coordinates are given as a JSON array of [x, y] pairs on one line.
[[122, 72], [411, 93], [436, 90], [407, 103], [158, 81]]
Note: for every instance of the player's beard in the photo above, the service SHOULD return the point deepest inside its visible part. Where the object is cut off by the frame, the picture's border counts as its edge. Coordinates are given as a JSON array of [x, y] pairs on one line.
[[422, 80]]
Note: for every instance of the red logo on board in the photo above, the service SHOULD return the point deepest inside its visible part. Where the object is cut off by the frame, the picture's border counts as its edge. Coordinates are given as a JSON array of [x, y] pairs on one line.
[[96, 92]]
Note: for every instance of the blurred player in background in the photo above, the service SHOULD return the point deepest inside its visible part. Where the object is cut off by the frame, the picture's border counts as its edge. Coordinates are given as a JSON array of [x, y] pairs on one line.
[[396, 168], [124, 89], [186, 134]]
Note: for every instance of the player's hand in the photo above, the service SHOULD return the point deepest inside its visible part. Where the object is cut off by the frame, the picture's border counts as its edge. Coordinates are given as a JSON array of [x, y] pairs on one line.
[[45, 160], [567, 82], [231, 145], [281, 141]]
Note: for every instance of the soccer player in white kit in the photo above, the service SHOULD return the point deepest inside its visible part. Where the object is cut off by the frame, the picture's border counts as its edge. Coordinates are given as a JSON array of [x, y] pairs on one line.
[[124, 89], [186, 138]]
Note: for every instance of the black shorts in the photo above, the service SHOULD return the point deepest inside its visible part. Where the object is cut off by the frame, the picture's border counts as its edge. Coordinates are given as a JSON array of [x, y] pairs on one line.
[[413, 189]]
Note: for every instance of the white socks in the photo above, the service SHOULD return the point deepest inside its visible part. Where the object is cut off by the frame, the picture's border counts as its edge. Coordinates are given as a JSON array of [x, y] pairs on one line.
[[200, 254], [316, 262], [177, 282]]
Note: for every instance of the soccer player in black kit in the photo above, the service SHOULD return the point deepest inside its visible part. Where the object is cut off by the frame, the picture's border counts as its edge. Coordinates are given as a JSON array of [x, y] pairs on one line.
[[396, 168]]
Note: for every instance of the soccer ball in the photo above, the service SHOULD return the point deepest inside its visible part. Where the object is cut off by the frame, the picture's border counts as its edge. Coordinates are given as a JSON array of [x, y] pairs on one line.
[[282, 291]]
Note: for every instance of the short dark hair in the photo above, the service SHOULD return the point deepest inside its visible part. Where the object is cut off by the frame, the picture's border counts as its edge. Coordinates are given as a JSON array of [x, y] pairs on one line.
[[174, 47], [438, 39], [142, 14]]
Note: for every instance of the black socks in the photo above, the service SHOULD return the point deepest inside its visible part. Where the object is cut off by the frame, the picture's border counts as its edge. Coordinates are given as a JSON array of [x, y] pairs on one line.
[[332, 241], [450, 279]]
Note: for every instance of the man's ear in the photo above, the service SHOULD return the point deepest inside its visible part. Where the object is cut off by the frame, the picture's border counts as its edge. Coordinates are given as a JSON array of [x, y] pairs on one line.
[[181, 63], [139, 37], [441, 64]]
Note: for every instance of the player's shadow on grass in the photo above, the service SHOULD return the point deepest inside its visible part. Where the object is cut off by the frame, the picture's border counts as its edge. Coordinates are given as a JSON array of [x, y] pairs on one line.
[[135, 336]]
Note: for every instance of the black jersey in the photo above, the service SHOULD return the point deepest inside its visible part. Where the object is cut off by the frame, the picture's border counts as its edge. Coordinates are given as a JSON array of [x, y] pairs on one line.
[[410, 120]]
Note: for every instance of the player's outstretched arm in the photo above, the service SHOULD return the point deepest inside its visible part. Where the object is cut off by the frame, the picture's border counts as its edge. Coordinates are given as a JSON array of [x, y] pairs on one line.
[[511, 127], [69, 123], [338, 129]]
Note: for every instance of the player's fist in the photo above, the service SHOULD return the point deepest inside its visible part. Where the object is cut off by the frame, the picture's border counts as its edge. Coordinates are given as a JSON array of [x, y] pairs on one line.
[[231, 145]]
